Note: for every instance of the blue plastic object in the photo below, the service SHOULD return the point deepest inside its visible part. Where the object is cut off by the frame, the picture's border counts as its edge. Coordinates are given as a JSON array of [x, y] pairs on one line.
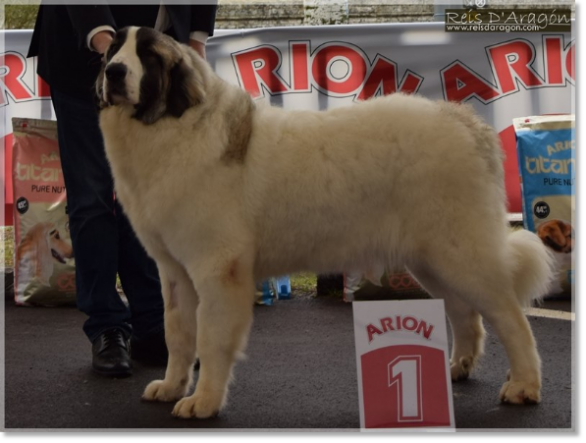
[[283, 285], [267, 295]]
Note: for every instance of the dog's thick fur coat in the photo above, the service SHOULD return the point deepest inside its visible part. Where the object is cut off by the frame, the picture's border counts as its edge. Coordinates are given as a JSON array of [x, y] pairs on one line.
[[223, 193]]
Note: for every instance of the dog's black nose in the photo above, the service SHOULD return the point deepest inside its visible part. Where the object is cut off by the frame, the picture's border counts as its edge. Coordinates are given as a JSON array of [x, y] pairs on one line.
[[116, 71]]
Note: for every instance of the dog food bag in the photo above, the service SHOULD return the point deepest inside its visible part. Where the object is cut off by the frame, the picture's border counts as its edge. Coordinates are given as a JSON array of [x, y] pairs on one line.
[[546, 152], [44, 265]]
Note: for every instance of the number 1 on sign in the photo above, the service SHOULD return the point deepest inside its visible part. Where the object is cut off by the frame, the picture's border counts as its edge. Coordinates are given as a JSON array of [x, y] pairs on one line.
[[405, 372]]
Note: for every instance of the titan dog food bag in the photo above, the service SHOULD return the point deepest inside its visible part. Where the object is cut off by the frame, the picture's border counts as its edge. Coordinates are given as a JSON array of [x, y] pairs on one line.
[[44, 265], [546, 151]]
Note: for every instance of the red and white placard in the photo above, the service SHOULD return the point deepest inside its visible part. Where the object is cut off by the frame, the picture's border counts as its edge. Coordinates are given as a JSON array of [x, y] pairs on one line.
[[403, 365]]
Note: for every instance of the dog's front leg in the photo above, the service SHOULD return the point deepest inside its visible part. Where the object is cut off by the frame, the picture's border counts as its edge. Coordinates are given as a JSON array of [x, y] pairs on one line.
[[224, 318], [181, 302]]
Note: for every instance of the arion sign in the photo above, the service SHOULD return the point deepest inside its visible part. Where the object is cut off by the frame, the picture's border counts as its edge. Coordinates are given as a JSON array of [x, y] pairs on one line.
[[403, 365]]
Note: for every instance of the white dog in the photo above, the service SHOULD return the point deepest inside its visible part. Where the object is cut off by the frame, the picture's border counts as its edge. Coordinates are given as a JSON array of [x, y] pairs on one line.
[[211, 183]]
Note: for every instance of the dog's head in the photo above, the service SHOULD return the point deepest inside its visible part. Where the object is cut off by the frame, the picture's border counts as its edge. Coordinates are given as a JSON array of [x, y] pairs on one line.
[[60, 249], [558, 235], [151, 72], [40, 246]]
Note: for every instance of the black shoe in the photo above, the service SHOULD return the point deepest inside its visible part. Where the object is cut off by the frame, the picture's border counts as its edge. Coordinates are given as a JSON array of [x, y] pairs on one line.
[[110, 354], [151, 350]]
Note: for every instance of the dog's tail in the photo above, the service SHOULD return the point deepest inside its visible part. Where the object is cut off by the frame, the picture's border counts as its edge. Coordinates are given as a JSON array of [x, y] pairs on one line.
[[533, 266]]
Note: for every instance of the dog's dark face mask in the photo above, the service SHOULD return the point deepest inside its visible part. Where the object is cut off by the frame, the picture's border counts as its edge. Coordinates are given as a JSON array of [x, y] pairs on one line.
[[148, 70]]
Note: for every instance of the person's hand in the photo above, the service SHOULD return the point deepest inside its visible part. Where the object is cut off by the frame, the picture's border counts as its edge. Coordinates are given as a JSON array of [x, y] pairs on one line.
[[199, 47], [101, 41]]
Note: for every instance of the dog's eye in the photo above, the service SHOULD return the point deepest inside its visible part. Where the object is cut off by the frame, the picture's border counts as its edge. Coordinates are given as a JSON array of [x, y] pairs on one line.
[[147, 50], [151, 57], [112, 49]]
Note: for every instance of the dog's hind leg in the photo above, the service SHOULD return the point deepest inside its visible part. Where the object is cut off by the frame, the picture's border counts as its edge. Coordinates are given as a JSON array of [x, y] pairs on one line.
[[486, 285], [181, 303], [468, 333], [523, 384], [468, 337], [224, 318]]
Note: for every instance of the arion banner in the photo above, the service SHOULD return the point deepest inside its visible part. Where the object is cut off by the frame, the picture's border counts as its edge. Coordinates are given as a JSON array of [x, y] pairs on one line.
[[503, 75]]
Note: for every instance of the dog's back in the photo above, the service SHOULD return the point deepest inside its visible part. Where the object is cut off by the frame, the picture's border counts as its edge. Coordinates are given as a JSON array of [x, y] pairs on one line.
[[386, 176]]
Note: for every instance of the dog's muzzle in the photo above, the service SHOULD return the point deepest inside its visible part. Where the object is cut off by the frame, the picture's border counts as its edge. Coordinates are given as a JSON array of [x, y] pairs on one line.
[[115, 89]]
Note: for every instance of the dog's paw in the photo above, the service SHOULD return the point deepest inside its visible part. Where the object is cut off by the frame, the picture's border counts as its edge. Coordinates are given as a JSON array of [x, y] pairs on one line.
[[161, 390], [520, 393], [196, 406], [461, 369]]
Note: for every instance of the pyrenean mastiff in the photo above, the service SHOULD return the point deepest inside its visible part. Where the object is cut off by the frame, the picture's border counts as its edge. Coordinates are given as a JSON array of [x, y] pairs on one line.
[[224, 192]]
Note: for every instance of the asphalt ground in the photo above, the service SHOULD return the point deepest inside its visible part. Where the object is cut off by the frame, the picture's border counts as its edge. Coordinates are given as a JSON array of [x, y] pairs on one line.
[[300, 375]]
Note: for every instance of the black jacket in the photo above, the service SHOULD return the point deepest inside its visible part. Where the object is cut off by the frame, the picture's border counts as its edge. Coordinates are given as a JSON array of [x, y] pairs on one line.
[[59, 38]]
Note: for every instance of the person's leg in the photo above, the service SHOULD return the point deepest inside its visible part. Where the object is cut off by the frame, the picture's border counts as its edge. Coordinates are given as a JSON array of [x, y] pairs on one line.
[[92, 221]]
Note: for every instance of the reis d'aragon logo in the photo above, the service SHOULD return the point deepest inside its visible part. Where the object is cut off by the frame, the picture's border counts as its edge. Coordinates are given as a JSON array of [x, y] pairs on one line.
[[341, 69]]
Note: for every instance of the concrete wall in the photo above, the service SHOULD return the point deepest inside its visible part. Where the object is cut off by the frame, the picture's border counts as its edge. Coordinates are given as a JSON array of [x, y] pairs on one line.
[[266, 13], [257, 14], [234, 14]]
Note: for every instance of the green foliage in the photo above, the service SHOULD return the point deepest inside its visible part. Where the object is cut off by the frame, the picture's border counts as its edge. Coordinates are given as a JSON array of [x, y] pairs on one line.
[[6, 247], [20, 16], [305, 282]]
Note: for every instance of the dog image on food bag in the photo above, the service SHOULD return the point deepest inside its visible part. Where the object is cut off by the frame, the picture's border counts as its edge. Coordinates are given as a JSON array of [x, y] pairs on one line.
[[212, 181], [558, 236], [38, 250]]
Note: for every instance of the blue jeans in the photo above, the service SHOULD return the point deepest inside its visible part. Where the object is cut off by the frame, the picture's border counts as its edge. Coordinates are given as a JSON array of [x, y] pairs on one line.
[[104, 243]]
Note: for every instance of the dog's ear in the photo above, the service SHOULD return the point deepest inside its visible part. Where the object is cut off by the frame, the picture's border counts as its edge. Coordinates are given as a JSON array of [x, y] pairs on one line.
[[99, 89], [185, 88], [151, 107]]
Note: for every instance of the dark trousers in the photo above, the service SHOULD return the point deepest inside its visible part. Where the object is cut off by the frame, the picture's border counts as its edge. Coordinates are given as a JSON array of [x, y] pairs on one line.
[[104, 243]]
